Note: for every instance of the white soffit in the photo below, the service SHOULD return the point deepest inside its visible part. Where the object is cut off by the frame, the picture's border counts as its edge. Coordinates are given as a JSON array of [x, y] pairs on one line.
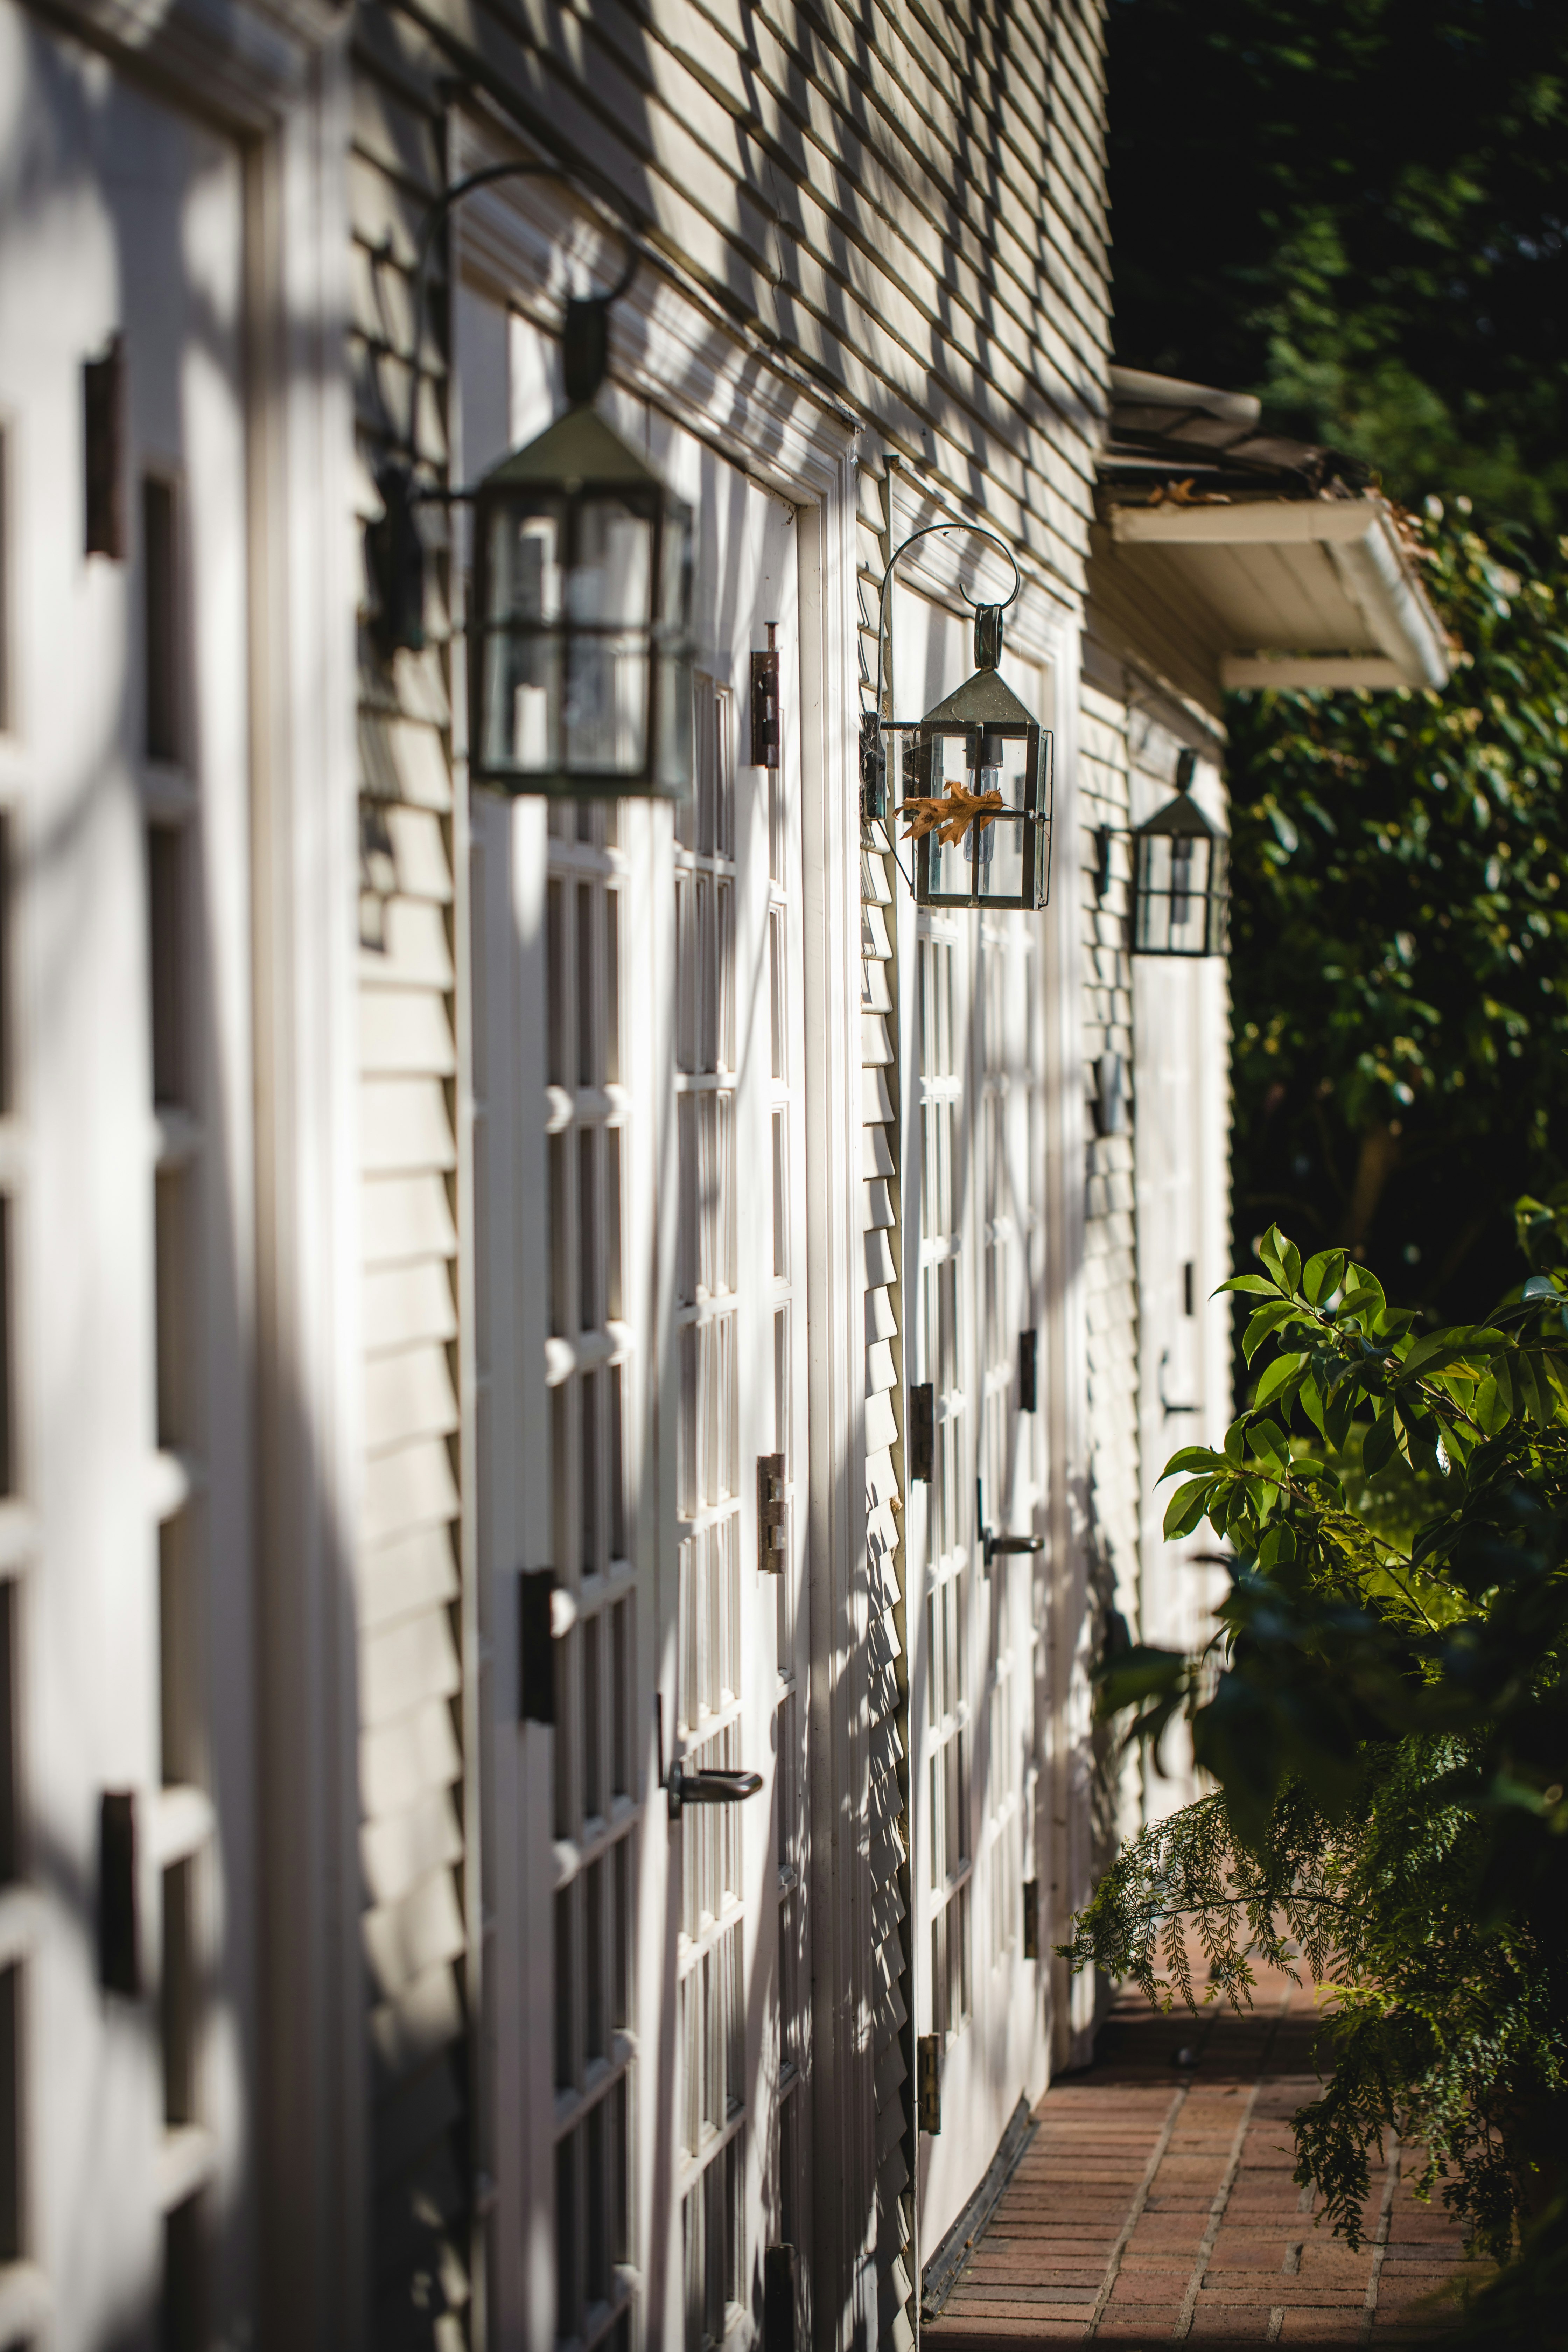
[[1291, 591]]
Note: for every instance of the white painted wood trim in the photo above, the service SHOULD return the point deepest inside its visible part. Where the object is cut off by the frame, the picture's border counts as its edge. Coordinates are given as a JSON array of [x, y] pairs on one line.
[[1260, 522], [240, 63], [1066, 1339], [1243, 671], [312, 2095], [844, 2217]]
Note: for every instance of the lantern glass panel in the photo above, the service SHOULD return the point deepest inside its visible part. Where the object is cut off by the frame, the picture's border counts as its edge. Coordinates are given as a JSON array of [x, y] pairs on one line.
[[1180, 895], [583, 672], [1001, 863], [672, 765]]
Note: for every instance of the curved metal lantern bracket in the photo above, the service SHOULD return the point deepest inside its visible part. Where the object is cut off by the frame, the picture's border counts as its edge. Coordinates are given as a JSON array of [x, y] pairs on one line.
[[969, 813], [393, 542]]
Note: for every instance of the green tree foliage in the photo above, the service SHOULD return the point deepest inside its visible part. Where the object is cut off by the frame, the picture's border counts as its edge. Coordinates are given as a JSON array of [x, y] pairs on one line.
[[1399, 926], [1356, 208], [1387, 1724]]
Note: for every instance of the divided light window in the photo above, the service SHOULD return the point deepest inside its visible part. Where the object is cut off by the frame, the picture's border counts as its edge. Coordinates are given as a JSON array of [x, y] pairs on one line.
[[949, 1585], [595, 1812]]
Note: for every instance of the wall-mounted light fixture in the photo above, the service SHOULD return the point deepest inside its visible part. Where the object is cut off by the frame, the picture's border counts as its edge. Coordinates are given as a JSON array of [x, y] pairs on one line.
[[1180, 877], [975, 774], [579, 625]]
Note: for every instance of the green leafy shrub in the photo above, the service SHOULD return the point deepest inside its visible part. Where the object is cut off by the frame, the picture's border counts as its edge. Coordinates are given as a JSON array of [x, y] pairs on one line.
[[1399, 926], [1384, 1716]]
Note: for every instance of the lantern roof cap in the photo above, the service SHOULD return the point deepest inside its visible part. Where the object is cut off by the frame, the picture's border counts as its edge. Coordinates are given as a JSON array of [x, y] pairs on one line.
[[578, 447], [983, 700], [1181, 819]]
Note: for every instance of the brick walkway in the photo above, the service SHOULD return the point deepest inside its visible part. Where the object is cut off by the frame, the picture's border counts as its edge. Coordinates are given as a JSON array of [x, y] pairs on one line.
[[1154, 2205]]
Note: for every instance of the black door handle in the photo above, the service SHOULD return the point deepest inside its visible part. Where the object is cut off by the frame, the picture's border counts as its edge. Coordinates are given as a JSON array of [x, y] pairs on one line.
[[709, 1787], [994, 1544]]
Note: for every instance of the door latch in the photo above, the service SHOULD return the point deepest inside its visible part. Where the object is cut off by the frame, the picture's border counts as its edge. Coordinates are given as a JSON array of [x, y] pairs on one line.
[[772, 1513], [709, 1787], [991, 1546]]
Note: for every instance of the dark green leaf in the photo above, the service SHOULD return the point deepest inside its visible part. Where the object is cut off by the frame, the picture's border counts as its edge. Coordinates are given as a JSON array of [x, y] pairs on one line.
[[1323, 1275], [1277, 1376], [1187, 1508], [1377, 1446], [1193, 1457], [1268, 1319], [1311, 1400]]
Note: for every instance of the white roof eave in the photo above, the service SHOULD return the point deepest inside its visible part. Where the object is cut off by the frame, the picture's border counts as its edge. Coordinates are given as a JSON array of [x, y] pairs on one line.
[[1393, 636]]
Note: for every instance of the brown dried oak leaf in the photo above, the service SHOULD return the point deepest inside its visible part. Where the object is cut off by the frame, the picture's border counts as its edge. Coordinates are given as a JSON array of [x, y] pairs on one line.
[[951, 818]]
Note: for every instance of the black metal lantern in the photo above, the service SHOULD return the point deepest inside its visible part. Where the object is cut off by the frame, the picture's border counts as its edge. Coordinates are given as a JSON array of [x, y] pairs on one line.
[[1180, 891], [580, 632], [579, 629], [978, 791]]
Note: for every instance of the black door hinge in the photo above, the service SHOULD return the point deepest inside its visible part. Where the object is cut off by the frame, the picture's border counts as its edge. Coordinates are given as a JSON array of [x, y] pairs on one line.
[[765, 704], [873, 770], [536, 1645], [772, 1513], [923, 1430], [928, 2082], [119, 1937], [103, 435]]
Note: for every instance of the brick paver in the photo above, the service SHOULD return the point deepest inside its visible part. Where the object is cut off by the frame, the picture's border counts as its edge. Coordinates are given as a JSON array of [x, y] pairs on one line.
[[1154, 2205]]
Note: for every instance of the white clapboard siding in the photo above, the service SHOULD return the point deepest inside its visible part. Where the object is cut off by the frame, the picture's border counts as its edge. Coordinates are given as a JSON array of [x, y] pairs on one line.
[[413, 951], [413, 1488], [424, 2018], [910, 205], [403, 1939], [397, 1853], [410, 1571], [405, 1125], [402, 1764], [407, 1394], [403, 1030], [405, 1664], [410, 1667], [407, 1302], [842, 209], [404, 1218]]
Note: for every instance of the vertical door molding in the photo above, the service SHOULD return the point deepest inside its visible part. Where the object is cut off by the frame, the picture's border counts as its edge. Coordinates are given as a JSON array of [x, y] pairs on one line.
[[310, 2087], [843, 2104], [1063, 1700]]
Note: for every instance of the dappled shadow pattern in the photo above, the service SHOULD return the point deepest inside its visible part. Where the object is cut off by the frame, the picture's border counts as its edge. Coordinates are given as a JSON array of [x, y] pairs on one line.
[[1155, 2204]]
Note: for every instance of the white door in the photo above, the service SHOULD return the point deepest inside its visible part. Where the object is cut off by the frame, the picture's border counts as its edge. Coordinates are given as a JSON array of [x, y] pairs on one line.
[[639, 1153], [974, 1200], [126, 1607], [1179, 1029]]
